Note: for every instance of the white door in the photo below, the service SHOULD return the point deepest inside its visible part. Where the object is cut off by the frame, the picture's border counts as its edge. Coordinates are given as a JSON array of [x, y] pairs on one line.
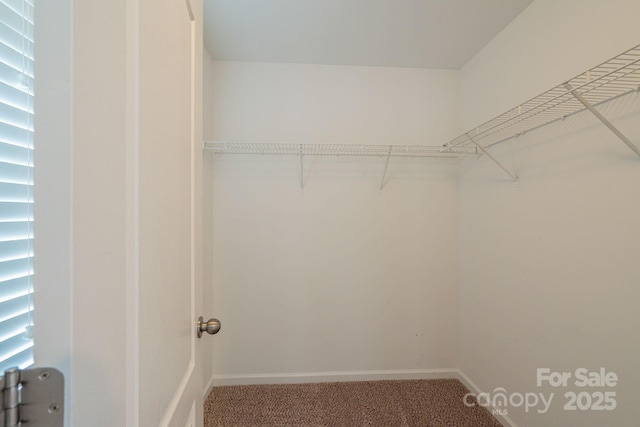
[[169, 213], [119, 258]]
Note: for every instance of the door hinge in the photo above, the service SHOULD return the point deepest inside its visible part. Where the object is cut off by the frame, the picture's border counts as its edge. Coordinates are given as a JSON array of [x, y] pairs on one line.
[[32, 397]]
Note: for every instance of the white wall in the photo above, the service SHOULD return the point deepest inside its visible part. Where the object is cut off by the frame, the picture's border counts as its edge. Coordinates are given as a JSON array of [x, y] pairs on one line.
[[548, 267], [339, 277], [332, 104]]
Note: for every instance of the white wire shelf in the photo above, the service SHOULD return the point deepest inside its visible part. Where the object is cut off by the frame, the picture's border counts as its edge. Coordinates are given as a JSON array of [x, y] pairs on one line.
[[612, 79], [227, 147], [605, 82]]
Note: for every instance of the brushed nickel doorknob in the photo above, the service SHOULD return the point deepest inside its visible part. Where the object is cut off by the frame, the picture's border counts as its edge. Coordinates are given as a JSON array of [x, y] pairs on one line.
[[211, 326]]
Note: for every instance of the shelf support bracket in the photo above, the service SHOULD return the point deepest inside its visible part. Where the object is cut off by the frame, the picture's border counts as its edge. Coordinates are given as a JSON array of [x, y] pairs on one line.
[[301, 169], [384, 174], [493, 159], [603, 119]]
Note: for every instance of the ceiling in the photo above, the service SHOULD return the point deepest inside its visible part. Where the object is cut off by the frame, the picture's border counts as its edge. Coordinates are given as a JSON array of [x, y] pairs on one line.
[[393, 33]]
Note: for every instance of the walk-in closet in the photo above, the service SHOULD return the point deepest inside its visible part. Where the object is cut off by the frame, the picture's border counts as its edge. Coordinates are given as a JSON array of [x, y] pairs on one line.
[[376, 222]]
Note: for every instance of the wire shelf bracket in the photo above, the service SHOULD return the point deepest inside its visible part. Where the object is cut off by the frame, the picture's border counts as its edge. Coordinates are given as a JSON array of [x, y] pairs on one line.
[[513, 176], [603, 119], [386, 165], [301, 168]]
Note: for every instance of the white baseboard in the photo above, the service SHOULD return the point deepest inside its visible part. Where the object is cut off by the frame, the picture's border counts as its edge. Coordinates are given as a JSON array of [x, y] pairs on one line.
[[208, 387], [338, 376], [504, 419]]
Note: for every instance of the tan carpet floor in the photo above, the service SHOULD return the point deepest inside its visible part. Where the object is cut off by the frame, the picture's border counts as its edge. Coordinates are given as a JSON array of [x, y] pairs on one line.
[[403, 403]]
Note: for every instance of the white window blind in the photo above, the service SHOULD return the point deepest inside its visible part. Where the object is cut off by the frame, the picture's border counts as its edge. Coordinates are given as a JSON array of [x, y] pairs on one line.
[[16, 183]]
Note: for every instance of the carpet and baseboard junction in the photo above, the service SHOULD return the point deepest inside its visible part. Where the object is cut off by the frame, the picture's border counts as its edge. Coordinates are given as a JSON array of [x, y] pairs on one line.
[[386, 403]]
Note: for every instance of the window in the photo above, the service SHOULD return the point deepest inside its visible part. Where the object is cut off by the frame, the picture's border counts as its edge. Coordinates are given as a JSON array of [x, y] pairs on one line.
[[16, 183]]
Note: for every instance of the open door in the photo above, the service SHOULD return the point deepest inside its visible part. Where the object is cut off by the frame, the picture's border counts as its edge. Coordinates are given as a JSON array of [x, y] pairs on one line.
[[119, 264], [169, 212]]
